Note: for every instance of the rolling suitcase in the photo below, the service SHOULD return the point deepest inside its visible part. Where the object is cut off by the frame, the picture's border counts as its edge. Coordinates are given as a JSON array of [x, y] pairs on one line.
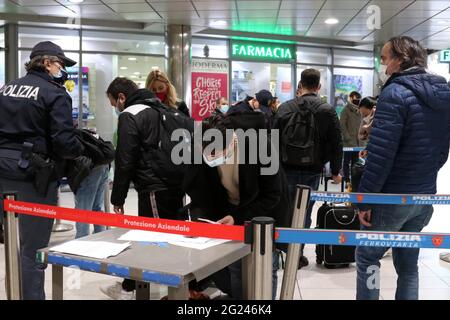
[[336, 217]]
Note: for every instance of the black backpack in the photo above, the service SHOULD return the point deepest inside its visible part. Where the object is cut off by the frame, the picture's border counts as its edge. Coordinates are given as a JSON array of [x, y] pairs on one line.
[[300, 137], [159, 156], [100, 151]]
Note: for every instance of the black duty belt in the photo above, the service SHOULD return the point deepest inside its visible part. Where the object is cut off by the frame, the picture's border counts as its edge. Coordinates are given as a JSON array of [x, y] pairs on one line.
[[10, 153]]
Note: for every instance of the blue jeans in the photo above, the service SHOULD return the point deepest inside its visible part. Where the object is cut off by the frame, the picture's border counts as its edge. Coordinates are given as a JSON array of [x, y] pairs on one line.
[[311, 179], [349, 159], [90, 196], [404, 218]]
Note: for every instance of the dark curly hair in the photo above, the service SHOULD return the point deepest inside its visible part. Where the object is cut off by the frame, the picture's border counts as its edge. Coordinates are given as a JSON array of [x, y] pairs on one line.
[[409, 51]]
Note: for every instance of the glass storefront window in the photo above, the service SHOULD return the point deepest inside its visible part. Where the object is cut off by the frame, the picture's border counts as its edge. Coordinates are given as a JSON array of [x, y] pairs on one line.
[[352, 58], [2, 57], [2, 68], [209, 48], [250, 77], [2, 37], [347, 80], [67, 39], [309, 55], [99, 70], [437, 67], [324, 79], [123, 42]]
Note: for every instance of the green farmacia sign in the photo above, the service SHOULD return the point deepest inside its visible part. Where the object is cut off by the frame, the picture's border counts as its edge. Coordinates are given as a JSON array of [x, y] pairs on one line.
[[263, 51], [444, 57]]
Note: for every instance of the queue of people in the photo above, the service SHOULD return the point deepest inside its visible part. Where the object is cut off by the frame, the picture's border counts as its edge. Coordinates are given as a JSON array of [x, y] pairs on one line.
[[407, 126]]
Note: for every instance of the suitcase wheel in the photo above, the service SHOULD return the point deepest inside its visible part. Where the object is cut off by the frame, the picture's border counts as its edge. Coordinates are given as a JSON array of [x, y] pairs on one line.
[[318, 260]]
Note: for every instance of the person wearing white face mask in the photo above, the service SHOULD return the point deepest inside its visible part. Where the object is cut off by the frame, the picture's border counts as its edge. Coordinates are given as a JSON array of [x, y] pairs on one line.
[[408, 145], [231, 192]]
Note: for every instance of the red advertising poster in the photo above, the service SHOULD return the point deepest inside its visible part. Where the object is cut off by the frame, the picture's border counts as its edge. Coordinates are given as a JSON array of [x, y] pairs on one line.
[[209, 83]]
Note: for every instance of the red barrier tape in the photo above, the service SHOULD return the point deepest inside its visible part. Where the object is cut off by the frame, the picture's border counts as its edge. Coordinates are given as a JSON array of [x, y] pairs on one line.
[[196, 229]]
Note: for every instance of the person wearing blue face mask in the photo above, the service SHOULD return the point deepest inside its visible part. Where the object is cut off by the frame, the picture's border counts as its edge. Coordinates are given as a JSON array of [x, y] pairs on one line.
[[36, 117], [222, 106], [138, 136]]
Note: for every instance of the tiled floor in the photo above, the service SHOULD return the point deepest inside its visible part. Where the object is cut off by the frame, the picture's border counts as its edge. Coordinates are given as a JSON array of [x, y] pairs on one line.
[[313, 282]]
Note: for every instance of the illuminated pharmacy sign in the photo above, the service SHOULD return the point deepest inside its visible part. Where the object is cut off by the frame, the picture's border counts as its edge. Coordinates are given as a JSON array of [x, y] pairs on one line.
[[262, 51], [444, 56]]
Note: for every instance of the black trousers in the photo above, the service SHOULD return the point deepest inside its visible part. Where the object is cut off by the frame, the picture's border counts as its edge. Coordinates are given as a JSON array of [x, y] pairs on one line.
[[34, 234], [350, 158], [168, 204]]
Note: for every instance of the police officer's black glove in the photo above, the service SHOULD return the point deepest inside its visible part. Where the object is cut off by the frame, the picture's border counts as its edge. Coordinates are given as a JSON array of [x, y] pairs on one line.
[[79, 169]]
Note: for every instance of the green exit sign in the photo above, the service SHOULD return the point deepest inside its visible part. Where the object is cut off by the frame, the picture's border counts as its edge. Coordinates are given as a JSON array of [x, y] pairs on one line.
[[263, 51], [445, 56]]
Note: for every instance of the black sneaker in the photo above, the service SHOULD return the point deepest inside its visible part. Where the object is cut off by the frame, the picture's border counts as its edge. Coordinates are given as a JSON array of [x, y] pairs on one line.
[[303, 262]]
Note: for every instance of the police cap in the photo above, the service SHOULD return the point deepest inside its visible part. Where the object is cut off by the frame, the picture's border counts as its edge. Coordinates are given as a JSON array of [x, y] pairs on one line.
[[50, 49]]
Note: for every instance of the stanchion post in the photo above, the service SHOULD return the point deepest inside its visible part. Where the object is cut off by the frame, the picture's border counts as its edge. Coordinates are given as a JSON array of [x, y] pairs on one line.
[[248, 266], [13, 278], [263, 246], [292, 259]]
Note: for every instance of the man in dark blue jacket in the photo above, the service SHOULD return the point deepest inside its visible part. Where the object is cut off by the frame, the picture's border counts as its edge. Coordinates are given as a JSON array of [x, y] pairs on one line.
[[36, 121], [408, 145]]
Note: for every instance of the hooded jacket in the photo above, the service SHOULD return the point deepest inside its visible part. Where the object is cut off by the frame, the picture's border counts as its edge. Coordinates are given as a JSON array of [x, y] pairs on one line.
[[350, 122], [260, 195], [409, 141], [137, 130]]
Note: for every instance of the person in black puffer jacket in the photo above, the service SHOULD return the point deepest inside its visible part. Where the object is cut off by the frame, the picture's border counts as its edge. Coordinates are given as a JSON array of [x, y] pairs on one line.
[[138, 130]]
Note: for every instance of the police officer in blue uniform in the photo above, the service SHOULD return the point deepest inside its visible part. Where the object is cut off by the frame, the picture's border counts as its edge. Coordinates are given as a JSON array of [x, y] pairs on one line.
[[36, 136]]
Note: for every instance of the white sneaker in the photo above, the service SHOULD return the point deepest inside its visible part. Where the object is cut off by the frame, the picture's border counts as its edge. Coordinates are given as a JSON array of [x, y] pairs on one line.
[[445, 256], [116, 292], [388, 253]]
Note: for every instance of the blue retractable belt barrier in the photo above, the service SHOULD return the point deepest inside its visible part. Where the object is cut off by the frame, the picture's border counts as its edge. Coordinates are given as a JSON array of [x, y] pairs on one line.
[[378, 198], [364, 238]]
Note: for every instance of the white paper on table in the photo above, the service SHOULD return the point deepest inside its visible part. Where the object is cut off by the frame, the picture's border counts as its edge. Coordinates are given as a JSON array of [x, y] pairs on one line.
[[199, 246], [91, 249], [199, 243], [146, 236]]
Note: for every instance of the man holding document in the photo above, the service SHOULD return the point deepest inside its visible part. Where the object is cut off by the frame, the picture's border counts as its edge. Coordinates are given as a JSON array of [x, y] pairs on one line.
[[231, 190]]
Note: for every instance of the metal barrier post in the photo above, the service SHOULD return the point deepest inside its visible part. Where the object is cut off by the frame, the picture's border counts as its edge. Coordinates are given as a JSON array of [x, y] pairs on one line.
[[293, 254], [13, 278], [263, 246]]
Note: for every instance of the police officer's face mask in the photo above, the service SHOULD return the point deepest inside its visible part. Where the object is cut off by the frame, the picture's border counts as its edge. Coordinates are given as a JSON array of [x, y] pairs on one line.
[[61, 76]]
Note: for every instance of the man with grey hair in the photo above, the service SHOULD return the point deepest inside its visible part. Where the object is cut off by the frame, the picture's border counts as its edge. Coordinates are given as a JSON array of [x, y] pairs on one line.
[[409, 144], [36, 135]]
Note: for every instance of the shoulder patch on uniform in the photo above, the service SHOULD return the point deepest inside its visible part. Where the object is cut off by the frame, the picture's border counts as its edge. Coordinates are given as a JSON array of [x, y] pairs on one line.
[[134, 110]]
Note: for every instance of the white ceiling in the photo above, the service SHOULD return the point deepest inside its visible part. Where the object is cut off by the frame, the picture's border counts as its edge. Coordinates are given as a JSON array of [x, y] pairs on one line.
[[427, 21]]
